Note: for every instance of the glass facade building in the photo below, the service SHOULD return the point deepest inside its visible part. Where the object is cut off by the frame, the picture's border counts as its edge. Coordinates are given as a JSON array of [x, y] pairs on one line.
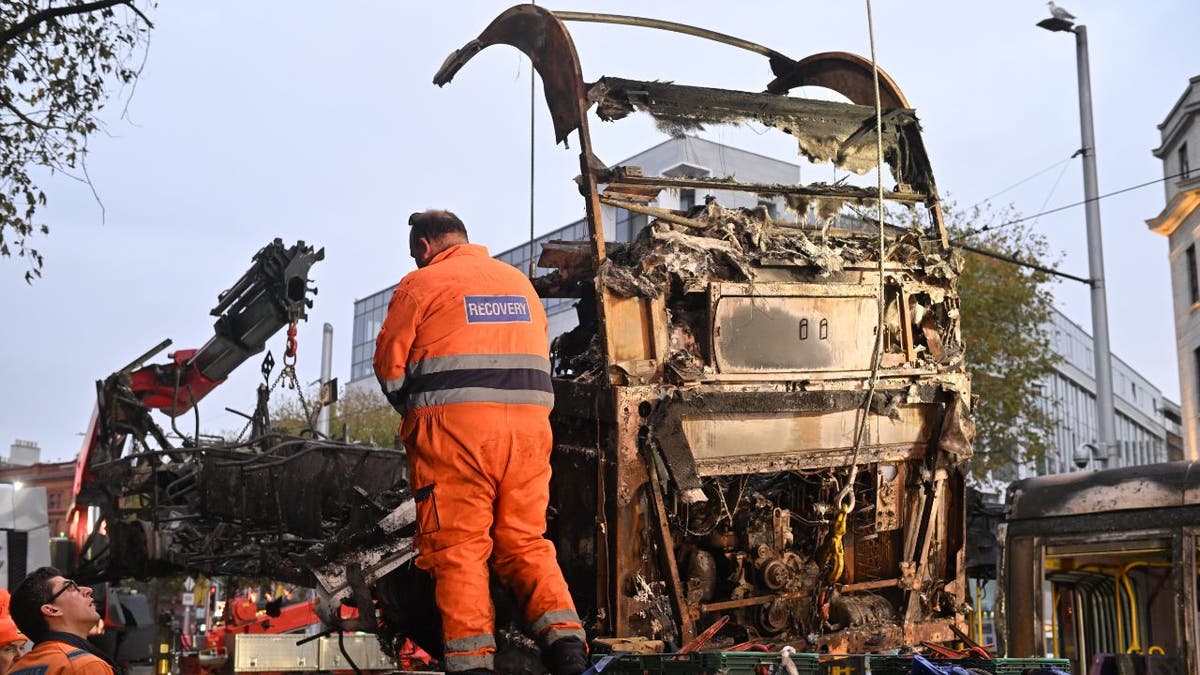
[[368, 319], [1144, 425]]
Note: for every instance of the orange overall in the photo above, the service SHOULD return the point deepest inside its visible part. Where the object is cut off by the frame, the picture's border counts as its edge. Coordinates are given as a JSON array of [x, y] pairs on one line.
[[463, 356], [55, 657]]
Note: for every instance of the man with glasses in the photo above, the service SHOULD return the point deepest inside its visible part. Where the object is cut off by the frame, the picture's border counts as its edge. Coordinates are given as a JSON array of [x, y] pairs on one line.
[[57, 614]]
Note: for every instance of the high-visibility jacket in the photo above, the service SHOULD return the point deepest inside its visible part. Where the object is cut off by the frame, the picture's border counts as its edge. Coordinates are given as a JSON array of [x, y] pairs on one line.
[[463, 355], [464, 329], [54, 657]]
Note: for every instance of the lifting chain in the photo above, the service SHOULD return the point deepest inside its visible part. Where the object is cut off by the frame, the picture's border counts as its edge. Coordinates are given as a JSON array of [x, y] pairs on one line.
[[288, 372], [268, 365], [289, 354]]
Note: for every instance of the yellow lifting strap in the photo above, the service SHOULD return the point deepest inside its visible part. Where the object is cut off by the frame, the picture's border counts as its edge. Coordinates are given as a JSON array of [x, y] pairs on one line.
[[833, 558]]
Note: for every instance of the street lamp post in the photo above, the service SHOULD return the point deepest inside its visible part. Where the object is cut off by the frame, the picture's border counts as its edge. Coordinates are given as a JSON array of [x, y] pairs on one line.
[[1105, 415]]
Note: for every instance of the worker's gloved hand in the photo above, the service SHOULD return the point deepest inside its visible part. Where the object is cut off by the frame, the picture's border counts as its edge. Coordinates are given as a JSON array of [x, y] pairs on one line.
[[567, 656]]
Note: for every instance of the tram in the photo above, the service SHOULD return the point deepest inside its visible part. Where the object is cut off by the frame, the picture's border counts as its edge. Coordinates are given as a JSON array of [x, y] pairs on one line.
[[1100, 568]]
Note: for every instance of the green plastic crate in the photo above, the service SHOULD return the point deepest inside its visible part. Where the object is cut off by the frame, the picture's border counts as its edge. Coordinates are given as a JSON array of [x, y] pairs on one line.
[[1018, 666], [705, 663], [739, 663], [902, 665]]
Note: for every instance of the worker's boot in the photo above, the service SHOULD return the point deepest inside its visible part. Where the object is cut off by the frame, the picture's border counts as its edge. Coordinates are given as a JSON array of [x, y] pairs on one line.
[[566, 656]]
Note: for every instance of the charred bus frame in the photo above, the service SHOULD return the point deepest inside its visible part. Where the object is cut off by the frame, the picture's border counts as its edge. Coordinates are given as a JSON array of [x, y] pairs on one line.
[[649, 433]]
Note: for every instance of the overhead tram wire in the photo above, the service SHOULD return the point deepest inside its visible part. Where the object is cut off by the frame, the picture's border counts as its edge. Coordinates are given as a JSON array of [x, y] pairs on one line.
[[1022, 263], [1025, 180], [1053, 189], [1007, 223]]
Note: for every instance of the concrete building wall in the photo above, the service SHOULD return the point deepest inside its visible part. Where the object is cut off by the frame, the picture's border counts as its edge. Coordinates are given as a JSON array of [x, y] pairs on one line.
[[1185, 242], [1177, 131], [57, 478], [1179, 222]]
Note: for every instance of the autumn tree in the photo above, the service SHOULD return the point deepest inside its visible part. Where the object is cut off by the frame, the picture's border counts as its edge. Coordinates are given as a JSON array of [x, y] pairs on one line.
[[60, 60], [364, 415], [1006, 313]]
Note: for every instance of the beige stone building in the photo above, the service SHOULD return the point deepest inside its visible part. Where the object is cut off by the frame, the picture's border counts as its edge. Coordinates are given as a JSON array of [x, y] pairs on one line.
[[1179, 222]]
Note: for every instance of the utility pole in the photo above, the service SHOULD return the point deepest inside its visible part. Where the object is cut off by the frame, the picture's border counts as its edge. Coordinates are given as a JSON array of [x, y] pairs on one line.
[[1105, 414], [326, 374]]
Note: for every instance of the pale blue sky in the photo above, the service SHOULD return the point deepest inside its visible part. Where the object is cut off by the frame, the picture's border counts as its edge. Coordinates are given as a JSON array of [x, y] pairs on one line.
[[317, 121]]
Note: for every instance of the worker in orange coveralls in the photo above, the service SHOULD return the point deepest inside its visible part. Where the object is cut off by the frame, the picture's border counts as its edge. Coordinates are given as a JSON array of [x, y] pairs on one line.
[[11, 638], [57, 614], [463, 356]]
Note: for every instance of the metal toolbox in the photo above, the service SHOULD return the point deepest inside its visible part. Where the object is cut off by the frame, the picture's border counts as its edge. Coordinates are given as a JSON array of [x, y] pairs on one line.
[[363, 649], [261, 653]]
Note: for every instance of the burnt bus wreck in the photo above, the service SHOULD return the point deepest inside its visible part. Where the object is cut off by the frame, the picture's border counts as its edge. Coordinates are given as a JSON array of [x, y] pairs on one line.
[[759, 421], [709, 401]]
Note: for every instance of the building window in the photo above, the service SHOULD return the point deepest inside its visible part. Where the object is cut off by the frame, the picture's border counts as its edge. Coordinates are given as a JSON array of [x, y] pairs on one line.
[[687, 199], [1185, 167], [629, 224], [1193, 280], [369, 314], [1196, 365], [769, 205]]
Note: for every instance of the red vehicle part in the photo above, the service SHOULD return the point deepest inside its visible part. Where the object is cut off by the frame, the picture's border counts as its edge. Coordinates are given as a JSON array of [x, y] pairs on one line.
[[172, 387], [243, 616]]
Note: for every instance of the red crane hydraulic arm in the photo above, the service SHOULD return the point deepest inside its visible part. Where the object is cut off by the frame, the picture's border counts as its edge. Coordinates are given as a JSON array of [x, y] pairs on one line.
[[272, 294]]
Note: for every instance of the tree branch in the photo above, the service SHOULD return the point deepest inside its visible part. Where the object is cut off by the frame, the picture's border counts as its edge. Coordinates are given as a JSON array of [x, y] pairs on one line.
[[24, 118], [33, 20], [149, 23]]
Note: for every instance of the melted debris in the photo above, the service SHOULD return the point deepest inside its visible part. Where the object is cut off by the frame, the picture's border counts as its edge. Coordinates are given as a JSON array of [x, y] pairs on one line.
[[825, 131], [734, 241], [736, 244]]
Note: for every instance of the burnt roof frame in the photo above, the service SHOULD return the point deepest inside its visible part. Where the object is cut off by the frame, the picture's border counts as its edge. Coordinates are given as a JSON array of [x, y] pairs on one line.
[[542, 36]]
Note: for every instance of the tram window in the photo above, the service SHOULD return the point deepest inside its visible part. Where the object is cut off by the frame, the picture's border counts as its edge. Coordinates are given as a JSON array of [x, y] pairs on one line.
[[1112, 597]]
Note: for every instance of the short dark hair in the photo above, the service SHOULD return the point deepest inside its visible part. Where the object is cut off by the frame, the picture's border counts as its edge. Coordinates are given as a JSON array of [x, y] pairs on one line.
[[435, 224], [26, 604]]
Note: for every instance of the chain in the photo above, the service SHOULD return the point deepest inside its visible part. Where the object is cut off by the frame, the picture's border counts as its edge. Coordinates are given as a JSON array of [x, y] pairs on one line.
[[288, 371], [294, 383], [270, 390]]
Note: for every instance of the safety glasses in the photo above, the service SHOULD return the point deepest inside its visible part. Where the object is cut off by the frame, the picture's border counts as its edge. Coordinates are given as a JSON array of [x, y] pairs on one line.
[[69, 585]]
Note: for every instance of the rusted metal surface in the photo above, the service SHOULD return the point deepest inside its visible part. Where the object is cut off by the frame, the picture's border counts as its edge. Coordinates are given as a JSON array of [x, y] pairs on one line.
[[631, 184], [1172, 484], [848, 74], [543, 38]]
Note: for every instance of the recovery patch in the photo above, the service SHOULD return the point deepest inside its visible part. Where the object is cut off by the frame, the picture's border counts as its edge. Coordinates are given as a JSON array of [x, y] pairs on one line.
[[497, 309]]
